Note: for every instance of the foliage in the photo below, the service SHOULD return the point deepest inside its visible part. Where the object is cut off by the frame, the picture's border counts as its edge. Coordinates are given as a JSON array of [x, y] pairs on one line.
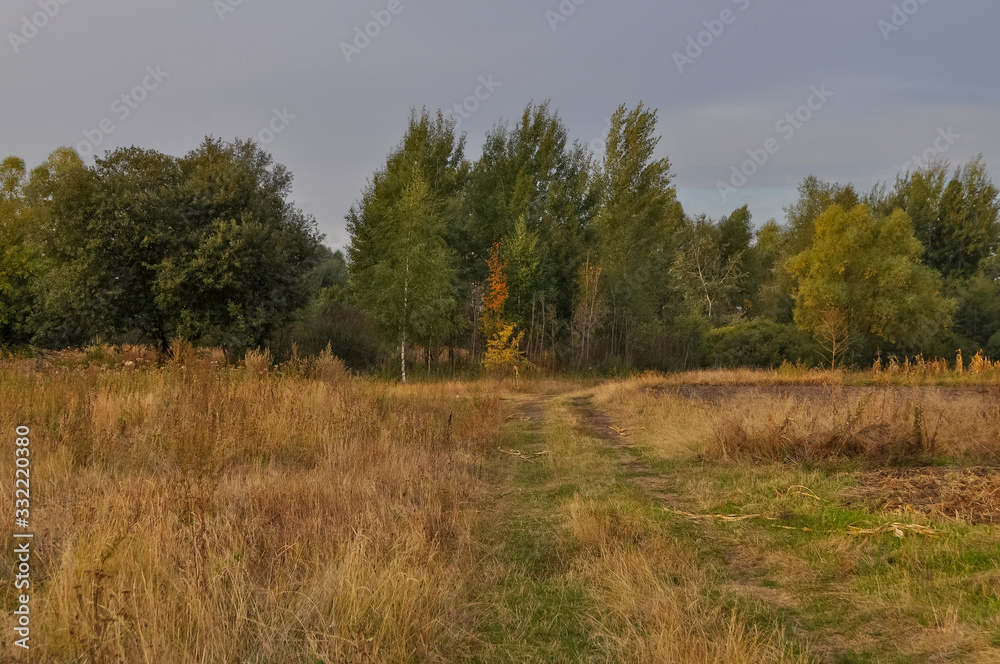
[[590, 309], [401, 267], [869, 269], [956, 219], [145, 247], [530, 173], [523, 261], [639, 212], [331, 322], [495, 296], [710, 273], [19, 261], [993, 346], [760, 344], [503, 352], [590, 256]]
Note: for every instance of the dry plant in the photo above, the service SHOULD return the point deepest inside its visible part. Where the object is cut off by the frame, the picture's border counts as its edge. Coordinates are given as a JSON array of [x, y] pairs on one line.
[[834, 334], [328, 368], [194, 513], [918, 370], [757, 415], [647, 616], [874, 423], [785, 375], [258, 361]]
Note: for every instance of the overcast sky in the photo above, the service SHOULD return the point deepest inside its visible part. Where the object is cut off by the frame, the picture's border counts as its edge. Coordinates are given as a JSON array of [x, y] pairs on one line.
[[896, 80]]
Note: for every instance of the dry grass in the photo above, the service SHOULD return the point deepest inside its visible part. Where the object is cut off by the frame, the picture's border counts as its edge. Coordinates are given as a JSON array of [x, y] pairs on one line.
[[749, 417], [655, 599], [965, 494], [785, 375], [199, 512], [734, 446], [876, 424]]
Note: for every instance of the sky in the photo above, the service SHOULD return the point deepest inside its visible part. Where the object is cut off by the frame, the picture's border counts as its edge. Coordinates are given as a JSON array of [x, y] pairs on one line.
[[752, 96]]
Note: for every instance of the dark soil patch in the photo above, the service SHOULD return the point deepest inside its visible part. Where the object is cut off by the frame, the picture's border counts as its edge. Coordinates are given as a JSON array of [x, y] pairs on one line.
[[971, 495], [599, 424]]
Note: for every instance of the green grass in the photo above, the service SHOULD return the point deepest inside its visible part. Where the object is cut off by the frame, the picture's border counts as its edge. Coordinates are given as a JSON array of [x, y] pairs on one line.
[[535, 611], [820, 594], [874, 588], [550, 596]]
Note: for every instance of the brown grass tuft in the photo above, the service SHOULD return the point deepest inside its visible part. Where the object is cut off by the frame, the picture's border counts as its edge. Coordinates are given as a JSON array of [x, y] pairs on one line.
[[195, 513]]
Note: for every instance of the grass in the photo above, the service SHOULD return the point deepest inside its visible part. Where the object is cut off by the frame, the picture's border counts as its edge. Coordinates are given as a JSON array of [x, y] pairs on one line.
[[853, 597], [199, 513], [194, 511]]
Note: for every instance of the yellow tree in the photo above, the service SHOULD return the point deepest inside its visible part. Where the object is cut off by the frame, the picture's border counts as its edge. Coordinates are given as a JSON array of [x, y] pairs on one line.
[[863, 272], [503, 346]]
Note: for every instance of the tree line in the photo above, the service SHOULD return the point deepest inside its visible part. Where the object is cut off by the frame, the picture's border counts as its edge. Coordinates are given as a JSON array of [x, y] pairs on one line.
[[603, 267], [537, 252]]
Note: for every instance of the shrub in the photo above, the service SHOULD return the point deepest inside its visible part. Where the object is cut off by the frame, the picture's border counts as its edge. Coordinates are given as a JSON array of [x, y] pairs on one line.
[[761, 344], [993, 347], [328, 322]]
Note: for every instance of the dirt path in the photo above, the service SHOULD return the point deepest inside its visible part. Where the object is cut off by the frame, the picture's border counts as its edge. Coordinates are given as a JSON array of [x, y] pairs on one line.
[[600, 426], [743, 567], [817, 586]]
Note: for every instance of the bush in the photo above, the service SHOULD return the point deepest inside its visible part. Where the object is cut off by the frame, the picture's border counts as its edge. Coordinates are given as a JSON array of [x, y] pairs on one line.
[[992, 349], [760, 344], [328, 322]]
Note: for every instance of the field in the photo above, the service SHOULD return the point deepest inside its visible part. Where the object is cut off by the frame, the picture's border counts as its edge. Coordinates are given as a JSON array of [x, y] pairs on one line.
[[198, 512]]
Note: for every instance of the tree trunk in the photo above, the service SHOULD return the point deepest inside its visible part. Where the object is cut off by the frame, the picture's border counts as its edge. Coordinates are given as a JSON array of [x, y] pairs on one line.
[[402, 355]]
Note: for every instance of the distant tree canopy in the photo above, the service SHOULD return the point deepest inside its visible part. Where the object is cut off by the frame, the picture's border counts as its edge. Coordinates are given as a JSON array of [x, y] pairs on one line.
[[144, 247], [864, 274], [600, 266]]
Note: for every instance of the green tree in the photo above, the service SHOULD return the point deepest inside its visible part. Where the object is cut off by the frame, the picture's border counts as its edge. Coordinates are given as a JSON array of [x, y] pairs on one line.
[[769, 281], [736, 246], [815, 197], [735, 234], [521, 251], [978, 314], [400, 264], [710, 275], [639, 213], [531, 172], [236, 270], [144, 247], [956, 220], [61, 195], [867, 270], [19, 262]]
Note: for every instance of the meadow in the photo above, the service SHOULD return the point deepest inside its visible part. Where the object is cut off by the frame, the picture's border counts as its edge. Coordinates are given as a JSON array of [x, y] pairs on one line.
[[192, 510]]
